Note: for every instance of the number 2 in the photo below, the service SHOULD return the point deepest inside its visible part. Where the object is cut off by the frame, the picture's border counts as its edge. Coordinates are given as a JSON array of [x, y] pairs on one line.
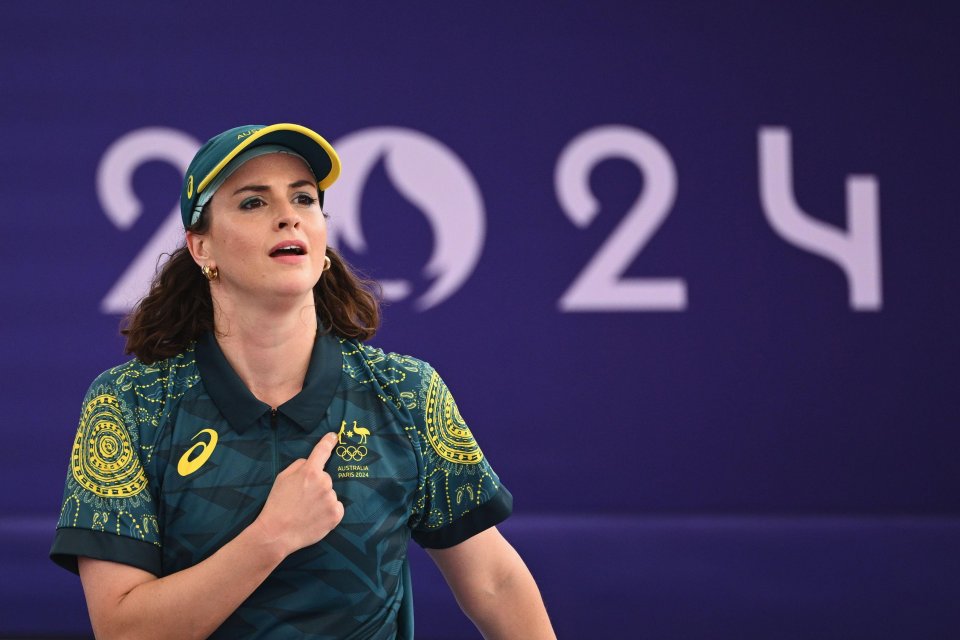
[[600, 286], [120, 203]]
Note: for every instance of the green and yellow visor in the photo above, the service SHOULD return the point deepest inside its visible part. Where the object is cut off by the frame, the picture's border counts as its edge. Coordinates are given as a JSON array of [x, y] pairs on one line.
[[218, 151]]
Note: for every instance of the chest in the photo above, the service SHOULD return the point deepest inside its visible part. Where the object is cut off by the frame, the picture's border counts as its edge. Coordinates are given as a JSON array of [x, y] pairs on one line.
[[212, 479]]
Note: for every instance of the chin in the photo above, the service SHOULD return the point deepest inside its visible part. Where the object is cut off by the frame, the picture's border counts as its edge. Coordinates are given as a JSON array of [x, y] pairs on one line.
[[287, 289]]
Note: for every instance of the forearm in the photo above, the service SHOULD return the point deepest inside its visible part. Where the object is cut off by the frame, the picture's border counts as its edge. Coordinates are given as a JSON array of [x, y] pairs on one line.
[[193, 602], [126, 602]]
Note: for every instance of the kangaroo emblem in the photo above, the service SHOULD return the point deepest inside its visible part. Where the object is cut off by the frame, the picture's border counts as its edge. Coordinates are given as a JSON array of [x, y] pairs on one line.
[[363, 432]]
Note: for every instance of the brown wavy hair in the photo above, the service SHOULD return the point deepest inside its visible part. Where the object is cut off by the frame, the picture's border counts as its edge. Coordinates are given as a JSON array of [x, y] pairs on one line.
[[178, 308]]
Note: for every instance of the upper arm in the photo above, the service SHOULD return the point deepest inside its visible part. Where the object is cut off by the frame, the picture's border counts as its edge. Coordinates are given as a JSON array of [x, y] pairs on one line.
[[479, 564], [108, 509], [494, 587], [106, 583], [460, 494]]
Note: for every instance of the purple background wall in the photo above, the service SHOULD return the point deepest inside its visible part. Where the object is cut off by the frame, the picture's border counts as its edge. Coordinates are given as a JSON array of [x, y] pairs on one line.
[[772, 455]]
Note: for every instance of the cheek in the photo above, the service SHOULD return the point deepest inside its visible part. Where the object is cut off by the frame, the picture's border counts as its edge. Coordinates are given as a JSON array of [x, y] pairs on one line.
[[318, 234], [235, 247]]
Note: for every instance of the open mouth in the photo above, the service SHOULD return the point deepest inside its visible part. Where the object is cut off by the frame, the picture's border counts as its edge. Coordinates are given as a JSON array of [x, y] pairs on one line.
[[288, 250]]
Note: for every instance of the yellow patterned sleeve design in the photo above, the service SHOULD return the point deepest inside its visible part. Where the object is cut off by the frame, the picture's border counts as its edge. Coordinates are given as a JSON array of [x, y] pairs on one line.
[[447, 432], [103, 460]]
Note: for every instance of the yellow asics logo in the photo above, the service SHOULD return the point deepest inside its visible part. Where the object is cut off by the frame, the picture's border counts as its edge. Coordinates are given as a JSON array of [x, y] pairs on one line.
[[186, 466]]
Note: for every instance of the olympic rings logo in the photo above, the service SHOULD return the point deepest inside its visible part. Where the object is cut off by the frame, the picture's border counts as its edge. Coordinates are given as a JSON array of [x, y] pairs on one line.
[[351, 453]]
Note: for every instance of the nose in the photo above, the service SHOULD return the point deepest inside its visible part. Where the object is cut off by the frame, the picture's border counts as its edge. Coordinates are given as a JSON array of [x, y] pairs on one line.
[[288, 216]]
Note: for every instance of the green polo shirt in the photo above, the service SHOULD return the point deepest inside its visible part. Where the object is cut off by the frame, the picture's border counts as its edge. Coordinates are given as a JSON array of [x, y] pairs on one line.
[[172, 460]]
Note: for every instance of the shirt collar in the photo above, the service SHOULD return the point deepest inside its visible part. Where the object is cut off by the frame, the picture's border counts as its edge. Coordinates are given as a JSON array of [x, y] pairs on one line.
[[242, 409]]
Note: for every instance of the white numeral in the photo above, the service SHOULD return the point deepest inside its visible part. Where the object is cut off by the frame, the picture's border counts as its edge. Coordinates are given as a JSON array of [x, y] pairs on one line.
[[120, 203], [599, 286], [856, 251]]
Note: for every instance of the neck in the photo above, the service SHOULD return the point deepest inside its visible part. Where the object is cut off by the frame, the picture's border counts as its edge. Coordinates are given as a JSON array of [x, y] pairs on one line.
[[268, 348]]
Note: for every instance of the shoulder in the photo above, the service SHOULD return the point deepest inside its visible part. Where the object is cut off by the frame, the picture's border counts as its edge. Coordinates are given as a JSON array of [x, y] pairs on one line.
[[135, 383], [391, 370]]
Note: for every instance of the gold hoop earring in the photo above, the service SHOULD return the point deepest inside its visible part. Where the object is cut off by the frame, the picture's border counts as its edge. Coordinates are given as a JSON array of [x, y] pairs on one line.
[[211, 273], [327, 263]]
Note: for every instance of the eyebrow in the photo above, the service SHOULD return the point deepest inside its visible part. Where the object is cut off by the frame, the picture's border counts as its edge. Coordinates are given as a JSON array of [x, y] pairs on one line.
[[260, 188]]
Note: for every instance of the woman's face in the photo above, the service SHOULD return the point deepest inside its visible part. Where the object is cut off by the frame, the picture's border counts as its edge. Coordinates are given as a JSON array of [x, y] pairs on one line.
[[267, 234]]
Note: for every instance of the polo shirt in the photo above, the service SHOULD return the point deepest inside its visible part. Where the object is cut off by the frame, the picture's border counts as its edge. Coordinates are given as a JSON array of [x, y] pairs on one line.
[[172, 460]]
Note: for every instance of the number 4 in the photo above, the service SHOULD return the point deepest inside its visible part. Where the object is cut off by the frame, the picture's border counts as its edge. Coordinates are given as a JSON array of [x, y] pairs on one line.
[[856, 250]]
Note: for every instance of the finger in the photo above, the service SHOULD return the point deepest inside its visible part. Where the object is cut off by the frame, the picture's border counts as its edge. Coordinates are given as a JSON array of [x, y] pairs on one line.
[[321, 452], [293, 466]]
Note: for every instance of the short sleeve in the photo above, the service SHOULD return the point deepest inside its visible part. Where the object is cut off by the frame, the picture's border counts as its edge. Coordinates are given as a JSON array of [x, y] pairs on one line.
[[461, 494], [107, 512]]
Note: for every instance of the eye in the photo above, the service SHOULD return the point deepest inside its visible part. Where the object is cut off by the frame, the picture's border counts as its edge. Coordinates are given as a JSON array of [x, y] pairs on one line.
[[304, 199], [253, 202]]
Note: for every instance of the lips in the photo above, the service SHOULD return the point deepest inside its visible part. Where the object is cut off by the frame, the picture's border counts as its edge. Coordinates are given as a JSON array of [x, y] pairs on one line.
[[288, 248]]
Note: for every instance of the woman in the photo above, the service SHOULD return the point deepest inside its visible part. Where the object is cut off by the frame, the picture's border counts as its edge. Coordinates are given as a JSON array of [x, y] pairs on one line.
[[256, 471]]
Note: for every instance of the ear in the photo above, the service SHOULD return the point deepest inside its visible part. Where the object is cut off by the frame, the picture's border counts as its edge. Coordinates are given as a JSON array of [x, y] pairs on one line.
[[198, 247]]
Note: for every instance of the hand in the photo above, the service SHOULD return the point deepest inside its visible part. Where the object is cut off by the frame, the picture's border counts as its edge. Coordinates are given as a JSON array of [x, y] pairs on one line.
[[302, 507]]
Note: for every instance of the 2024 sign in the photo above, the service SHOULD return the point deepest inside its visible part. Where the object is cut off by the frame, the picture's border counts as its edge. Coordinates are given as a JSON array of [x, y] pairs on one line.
[[456, 214]]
